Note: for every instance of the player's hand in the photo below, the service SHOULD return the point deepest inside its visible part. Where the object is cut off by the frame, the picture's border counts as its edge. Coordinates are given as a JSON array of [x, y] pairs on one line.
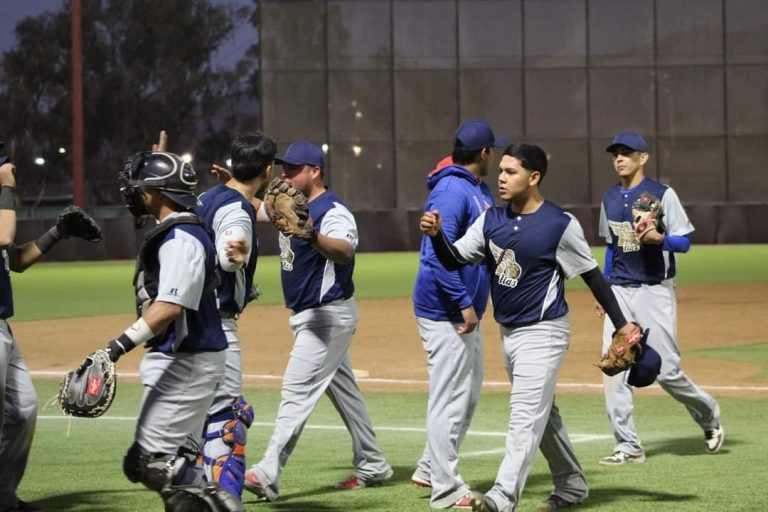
[[8, 175], [651, 236], [599, 311], [221, 173], [627, 329], [162, 142], [430, 223], [236, 251], [470, 320]]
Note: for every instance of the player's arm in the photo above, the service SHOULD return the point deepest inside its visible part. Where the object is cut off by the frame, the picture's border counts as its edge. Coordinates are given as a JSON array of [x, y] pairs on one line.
[[465, 251], [337, 238], [575, 258], [7, 205], [233, 232]]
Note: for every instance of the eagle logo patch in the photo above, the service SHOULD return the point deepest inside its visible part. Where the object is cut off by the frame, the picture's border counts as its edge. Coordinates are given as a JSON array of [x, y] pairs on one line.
[[507, 269]]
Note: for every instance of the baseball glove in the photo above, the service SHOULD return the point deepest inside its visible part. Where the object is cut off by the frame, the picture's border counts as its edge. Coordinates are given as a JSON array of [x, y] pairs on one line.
[[622, 351], [74, 222], [88, 391], [287, 208], [646, 214]]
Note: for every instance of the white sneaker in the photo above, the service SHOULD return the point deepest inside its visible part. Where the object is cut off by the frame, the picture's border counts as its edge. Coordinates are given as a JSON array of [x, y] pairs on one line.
[[714, 439], [620, 458]]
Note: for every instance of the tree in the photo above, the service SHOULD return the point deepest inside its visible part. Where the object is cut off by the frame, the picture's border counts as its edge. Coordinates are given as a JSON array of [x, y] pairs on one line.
[[146, 66]]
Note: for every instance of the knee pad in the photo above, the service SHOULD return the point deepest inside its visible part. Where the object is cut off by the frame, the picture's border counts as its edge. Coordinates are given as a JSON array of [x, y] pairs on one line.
[[223, 454], [154, 471], [190, 498]]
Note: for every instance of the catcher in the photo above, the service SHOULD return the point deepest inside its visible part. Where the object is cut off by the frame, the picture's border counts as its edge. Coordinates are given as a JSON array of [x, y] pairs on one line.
[[18, 402], [179, 322]]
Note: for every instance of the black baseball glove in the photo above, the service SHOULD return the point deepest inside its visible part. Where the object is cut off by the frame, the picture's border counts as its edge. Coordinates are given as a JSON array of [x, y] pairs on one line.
[[74, 222], [88, 390]]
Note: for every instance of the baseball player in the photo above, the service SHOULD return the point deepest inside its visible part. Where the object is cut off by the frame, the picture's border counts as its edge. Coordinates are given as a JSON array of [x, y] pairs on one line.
[[530, 246], [641, 270], [179, 322], [448, 305], [18, 402], [318, 289], [228, 213]]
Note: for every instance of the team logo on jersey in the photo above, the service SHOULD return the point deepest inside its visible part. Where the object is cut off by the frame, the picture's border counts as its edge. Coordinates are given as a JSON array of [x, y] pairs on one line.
[[507, 268], [625, 233], [286, 254]]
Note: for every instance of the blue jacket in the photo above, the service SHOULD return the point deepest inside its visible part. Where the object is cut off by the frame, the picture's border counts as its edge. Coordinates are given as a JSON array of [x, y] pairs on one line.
[[439, 294]]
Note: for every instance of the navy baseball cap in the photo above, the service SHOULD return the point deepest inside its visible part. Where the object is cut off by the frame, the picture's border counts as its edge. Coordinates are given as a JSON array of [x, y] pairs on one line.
[[477, 134], [302, 152], [646, 368], [632, 140]]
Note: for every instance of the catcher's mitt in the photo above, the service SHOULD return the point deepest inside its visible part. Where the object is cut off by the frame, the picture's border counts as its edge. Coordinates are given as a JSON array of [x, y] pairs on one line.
[[287, 209], [74, 222], [646, 215], [88, 391], [622, 351]]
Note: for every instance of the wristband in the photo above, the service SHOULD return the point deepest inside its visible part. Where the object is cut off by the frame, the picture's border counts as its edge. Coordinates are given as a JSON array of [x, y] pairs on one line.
[[48, 239], [139, 333], [7, 198]]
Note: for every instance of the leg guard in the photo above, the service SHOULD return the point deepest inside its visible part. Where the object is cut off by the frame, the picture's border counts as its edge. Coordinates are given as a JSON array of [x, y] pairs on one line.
[[190, 498], [157, 471], [223, 453]]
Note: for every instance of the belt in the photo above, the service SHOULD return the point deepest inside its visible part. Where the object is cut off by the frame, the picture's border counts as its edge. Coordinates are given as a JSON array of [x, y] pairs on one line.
[[226, 316]]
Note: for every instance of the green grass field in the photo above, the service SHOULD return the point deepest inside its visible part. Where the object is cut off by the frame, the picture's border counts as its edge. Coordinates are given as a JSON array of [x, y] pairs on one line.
[[82, 471]]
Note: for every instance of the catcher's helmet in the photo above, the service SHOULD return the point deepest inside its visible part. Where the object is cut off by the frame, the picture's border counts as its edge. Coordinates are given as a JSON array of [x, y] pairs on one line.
[[166, 172]]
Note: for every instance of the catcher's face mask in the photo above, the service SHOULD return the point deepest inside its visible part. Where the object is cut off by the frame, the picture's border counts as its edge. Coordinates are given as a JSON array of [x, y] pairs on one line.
[[165, 172]]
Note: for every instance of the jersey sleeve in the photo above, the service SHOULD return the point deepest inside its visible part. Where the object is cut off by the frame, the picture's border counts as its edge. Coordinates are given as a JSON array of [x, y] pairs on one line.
[[573, 253], [231, 223], [338, 222], [182, 270], [471, 246], [676, 222], [603, 230]]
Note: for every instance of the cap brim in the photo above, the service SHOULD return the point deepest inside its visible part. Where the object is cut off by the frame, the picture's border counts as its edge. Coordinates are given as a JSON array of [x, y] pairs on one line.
[[613, 147], [185, 200], [282, 160]]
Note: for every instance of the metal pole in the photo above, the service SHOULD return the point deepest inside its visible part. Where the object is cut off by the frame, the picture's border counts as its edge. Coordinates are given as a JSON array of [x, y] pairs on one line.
[[77, 106]]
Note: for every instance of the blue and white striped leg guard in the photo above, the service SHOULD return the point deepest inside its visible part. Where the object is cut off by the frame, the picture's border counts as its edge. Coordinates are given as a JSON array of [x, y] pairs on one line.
[[223, 453]]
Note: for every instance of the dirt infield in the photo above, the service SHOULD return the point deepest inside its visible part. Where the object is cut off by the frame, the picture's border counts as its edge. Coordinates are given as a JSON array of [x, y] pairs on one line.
[[387, 344]]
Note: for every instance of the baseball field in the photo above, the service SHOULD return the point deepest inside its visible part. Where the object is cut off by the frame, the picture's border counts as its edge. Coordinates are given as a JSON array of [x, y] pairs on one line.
[[64, 311]]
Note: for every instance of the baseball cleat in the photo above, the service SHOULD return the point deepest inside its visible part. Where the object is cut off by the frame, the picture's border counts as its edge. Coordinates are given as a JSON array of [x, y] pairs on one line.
[[353, 483], [420, 482], [464, 503], [480, 503], [252, 483], [714, 439], [554, 503], [23, 506], [619, 458]]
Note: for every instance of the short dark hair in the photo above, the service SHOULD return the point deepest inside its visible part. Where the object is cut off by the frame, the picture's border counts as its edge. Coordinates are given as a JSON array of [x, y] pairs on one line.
[[531, 157], [463, 156], [252, 153]]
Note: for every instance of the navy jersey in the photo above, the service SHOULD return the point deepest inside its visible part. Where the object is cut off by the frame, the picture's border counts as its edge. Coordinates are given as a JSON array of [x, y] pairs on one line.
[[228, 215], [6, 292], [634, 263], [309, 279], [183, 248], [528, 256]]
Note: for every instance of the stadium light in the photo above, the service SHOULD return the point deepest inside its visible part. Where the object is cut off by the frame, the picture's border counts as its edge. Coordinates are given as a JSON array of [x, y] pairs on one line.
[[40, 161], [187, 157]]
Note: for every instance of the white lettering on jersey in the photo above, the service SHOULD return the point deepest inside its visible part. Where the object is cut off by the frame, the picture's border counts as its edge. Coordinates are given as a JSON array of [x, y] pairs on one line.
[[286, 254], [507, 268], [627, 239]]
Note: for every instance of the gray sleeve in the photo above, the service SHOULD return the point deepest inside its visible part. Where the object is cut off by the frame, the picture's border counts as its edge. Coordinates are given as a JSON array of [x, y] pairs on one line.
[[182, 271], [573, 253], [231, 222], [471, 246], [675, 220], [602, 228], [338, 222]]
